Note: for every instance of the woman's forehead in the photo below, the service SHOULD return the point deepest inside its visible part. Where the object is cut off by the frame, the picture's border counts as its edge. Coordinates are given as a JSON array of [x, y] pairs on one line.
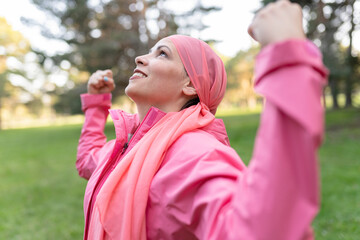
[[168, 43], [164, 42]]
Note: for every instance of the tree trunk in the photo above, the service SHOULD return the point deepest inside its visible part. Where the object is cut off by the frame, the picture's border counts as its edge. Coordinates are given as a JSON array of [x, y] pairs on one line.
[[334, 92], [350, 62], [348, 91]]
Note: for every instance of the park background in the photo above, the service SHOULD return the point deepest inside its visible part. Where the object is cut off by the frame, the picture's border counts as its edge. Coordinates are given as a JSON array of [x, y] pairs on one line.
[[49, 48]]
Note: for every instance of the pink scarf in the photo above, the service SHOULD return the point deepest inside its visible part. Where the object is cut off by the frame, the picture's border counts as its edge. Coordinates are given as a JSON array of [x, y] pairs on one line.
[[119, 209], [205, 69]]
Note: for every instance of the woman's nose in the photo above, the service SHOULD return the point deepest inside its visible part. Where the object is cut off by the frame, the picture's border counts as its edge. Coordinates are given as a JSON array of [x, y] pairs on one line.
[[141, 60]]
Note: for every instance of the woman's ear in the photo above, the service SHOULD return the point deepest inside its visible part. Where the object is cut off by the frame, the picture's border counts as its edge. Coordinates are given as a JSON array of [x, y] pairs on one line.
[[189, 89]]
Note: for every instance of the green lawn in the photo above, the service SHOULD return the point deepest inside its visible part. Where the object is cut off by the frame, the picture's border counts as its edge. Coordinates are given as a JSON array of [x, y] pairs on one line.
[[41, 194]]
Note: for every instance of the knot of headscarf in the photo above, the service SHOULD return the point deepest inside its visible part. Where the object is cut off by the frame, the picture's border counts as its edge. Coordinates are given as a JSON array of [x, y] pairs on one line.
[[204, 67]]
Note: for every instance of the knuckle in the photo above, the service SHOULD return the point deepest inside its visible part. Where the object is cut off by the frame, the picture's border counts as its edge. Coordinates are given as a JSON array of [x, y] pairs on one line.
[[100, 73], [283, 4], [272, 5], [261, 14], [296, 7]]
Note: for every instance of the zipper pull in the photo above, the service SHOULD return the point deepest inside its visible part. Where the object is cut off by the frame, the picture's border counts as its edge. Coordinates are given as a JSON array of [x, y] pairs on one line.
[[124, 148], [116, 160]]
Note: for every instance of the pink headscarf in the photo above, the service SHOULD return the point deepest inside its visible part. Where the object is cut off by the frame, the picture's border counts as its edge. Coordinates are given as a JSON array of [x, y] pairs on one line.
[[120, 207], [204, 67]]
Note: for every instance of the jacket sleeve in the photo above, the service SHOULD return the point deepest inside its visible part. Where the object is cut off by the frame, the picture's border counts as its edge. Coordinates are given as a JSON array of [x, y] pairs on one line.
[[276, 197], [92, 138]]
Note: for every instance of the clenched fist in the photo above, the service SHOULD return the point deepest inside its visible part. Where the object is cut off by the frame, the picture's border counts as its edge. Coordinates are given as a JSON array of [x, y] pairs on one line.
[[101, 82], [277, 22]]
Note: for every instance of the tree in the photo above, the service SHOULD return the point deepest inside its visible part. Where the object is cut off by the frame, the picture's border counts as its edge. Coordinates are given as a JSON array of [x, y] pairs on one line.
[[12, 45], [109, 34], [351, 62], [240, 92], [328, 24]]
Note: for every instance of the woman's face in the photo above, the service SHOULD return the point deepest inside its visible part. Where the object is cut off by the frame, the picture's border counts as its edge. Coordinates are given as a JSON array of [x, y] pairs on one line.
[[159, 78]]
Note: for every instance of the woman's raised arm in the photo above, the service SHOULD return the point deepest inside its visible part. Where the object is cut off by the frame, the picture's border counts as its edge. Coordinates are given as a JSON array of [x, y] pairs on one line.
[[278, 195], [95, 105]]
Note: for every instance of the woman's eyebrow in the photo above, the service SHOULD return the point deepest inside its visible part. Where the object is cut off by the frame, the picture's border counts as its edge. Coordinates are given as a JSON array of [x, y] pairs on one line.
[[160, 46]]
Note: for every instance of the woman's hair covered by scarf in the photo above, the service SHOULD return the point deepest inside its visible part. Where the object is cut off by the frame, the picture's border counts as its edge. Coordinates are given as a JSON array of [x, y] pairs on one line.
[[205, 69]]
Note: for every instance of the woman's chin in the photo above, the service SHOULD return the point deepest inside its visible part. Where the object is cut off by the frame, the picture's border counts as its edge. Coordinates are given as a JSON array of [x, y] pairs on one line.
[[131, 93], [129, 89]]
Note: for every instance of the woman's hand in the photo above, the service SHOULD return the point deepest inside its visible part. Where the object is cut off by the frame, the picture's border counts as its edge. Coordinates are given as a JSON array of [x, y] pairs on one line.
[[101, 82], [276, 22]]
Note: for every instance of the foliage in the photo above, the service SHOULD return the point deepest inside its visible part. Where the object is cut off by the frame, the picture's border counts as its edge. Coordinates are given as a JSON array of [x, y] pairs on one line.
[[13, 46], [109, 34], [240, 71], [328, 24], [12, 43]]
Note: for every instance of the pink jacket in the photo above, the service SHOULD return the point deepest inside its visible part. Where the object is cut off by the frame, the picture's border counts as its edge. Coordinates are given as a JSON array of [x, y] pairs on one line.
[[202, 189]]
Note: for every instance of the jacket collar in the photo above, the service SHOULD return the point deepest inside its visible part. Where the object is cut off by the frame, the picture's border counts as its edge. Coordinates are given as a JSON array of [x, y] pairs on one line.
[[126, 124]]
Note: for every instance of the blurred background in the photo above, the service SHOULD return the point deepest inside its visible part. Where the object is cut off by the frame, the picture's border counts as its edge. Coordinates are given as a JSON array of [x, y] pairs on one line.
[[49, 48]]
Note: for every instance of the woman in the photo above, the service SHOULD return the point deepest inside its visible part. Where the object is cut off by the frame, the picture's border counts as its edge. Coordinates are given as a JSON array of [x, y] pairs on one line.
[[171, 174]]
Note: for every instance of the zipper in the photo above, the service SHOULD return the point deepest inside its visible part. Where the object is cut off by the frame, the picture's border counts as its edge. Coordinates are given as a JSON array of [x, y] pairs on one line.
[[118, 158], [106, 171]]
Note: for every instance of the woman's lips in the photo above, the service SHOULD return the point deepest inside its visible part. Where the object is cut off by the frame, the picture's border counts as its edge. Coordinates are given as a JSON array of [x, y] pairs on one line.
[[138, 74]]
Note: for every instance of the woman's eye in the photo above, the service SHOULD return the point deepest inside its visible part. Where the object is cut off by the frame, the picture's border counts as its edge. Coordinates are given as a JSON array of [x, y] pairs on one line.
[[163, 54]]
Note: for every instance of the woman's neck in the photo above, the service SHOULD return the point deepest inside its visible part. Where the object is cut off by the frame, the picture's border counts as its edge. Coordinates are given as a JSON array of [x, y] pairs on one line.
[[142, 111]]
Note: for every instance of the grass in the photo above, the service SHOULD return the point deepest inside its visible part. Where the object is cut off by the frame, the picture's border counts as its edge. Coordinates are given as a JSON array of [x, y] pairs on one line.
[[41, 194], [339, 217]]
